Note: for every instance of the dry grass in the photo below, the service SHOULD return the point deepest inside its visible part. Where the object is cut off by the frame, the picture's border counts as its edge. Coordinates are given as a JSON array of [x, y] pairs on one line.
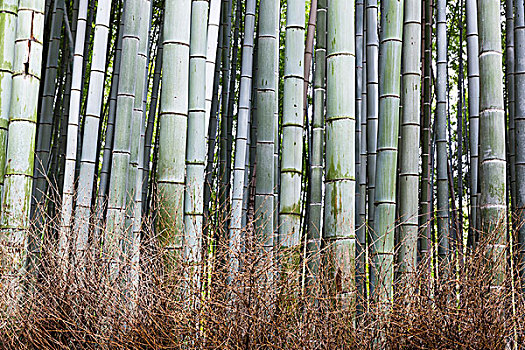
[[258, 309]]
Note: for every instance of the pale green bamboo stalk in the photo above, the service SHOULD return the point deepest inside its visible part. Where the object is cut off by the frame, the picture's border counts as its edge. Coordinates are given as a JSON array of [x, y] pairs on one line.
[[173, 122], [72, 135], [116, 228], [372, 74], [359, 22], [196, 140], [26, 70], [309, 51], [360, 200], [442, 210], [105, 171], [241, 147], [361, 255], [387, 145], [425, 212], [136, 162], [211, 55], [473, 108], [492, 136], [230, 117], [212, 130], [313, 248], [410, 140], [8, 20], [510, 99], [519, 81], [249, 184], [266, 121], [45, 124], [222, 190], [340, 183], [91, 129], [292, 128], [137, 150], [152, 116]]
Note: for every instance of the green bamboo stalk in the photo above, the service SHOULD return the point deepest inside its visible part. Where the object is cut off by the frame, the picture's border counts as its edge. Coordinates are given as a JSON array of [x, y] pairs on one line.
[[26, 70], [361, 251], [292, 127], [116, 228], [135, 175], [212, 131], [223, 194], [211, 55], [8, 20], [372, 87], [110, 133], [361, 145], [315, 208], [519, 81], [309, 51], [137, 129], [72, 134], [510, 97], [91, 128], [241, 147], [425, 211], [45, 124], [250, 183], [173, 122], [473, 109], [410, 139], [266, 121], [359, 21], [196, 140], [441, 133], [339, 216], [227, 153], [387, 146], [152, 114], [492, 136]]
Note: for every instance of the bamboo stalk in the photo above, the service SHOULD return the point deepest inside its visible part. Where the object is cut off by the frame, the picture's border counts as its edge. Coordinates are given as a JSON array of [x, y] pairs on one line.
[[492, 136], [382, 272], [339, 215], [410, 140]]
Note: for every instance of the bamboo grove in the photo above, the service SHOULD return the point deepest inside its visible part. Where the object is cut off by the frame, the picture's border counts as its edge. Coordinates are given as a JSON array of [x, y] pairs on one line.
[[370, 135]]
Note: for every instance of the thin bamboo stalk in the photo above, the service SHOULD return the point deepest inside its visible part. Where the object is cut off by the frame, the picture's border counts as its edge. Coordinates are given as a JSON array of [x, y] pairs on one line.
[[313, 248], [211, 55], [44, 137], [91, 130], [105, 171], [519, 119], [372, 86], [241, 147], [473, 111], [425, 212], [72, 135], [152, 114], [441, 133]]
